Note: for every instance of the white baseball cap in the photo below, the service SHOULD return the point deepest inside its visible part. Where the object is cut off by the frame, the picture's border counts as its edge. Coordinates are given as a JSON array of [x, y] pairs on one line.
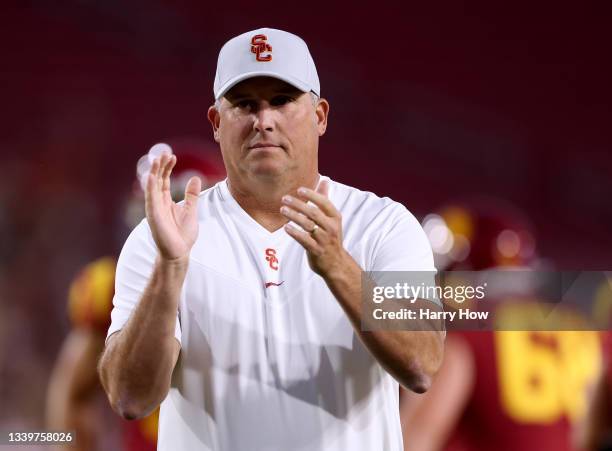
[[266, 52]]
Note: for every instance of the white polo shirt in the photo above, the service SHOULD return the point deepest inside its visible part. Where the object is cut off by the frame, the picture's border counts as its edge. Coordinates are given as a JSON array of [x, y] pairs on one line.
[[269, 360]]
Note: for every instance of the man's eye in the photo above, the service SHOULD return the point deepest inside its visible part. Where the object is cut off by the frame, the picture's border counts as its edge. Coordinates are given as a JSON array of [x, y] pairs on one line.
[[281, 100], [245, 104]]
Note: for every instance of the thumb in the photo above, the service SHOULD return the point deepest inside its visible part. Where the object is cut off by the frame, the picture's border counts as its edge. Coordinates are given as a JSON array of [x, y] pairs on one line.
[[192, 192], [323, 188]]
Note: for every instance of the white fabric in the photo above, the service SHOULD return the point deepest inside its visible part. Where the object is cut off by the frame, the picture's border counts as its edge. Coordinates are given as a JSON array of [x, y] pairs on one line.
[[285, 56], [277, 368]]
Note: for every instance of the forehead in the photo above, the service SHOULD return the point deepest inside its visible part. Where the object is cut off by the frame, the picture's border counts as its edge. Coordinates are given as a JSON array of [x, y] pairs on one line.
[[261, 87]]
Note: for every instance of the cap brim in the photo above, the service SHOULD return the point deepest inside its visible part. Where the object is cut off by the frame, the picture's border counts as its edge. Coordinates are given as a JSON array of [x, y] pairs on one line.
[[288, 79]]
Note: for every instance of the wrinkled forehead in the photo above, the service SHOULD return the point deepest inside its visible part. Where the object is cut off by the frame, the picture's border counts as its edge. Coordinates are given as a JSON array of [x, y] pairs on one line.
[[261, 87]]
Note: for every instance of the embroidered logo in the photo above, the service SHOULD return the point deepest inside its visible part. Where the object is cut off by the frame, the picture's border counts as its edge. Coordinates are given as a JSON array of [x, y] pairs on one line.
[[272, 259], [274, 284], [259, 46]]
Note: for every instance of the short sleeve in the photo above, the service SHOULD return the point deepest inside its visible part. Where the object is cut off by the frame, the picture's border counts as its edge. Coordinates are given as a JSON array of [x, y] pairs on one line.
[[403, 253], [134, 269], [403, 245]]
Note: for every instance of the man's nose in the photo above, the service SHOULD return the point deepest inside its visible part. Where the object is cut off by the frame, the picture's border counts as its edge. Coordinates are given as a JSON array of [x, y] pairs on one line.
[[264, 118]]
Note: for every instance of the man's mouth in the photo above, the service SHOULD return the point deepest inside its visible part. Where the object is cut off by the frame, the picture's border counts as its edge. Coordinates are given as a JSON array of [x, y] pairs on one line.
[[263, 145]]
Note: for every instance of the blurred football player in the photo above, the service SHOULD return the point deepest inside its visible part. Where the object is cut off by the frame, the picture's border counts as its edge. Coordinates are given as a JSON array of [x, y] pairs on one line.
[[595, 432], [74, 384], [502, 390]]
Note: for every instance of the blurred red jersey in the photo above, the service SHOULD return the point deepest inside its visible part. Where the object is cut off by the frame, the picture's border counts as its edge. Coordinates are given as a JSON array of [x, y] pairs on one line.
[[90, 303], [529, 388]]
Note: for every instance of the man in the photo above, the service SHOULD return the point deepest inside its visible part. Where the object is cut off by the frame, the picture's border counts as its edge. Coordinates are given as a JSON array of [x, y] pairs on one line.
[[74, 384], [256, 283], [505, 389]]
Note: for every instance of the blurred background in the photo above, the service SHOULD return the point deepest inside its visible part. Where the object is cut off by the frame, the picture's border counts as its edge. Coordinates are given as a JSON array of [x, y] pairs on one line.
[[428, 104]]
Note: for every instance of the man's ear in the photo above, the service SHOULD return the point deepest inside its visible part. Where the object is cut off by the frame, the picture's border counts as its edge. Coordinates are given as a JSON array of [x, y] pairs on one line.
[[322, 111], [214, 118]]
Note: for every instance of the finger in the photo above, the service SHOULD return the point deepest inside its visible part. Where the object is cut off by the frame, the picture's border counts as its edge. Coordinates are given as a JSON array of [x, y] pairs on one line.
[[301, 220], [151, 190], [309, 210], [160, 170], [170, 162], [323, 188], [155, 167], [167, 164], [192, 192], [320, 201], [303, 238], [159, 175]]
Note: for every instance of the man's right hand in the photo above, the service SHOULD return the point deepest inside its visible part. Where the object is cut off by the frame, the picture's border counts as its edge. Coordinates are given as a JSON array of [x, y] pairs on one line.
[[174, 227]]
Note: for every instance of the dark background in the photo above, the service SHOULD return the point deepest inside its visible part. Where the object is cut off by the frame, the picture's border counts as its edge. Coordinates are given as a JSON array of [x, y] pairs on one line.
[[429, 103]]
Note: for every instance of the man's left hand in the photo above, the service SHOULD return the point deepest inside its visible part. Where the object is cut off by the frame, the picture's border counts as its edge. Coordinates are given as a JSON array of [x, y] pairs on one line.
[[322, 228]]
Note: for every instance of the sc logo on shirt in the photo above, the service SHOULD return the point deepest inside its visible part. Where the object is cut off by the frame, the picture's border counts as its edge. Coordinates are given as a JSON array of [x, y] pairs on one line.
[[272, 259]]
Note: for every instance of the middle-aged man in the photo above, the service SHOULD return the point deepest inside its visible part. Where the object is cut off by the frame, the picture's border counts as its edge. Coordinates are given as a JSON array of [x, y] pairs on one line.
[[255, 283]]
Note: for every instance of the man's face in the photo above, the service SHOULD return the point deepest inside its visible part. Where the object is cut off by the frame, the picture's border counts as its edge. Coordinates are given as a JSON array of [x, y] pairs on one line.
[[268, 128]]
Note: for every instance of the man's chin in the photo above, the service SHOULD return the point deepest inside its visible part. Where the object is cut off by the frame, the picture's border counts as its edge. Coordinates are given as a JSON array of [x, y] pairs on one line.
[[268, 169]]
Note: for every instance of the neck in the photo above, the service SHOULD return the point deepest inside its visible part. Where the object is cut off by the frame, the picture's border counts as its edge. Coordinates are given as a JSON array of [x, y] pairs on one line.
[[261, 198]]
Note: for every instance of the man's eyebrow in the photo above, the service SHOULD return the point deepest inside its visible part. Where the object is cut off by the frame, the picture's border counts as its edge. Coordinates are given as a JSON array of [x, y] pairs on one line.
[[288, 90], [236, 95]]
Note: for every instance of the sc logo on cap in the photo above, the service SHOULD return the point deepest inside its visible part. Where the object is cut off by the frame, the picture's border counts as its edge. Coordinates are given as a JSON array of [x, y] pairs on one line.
[[259, 46]]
